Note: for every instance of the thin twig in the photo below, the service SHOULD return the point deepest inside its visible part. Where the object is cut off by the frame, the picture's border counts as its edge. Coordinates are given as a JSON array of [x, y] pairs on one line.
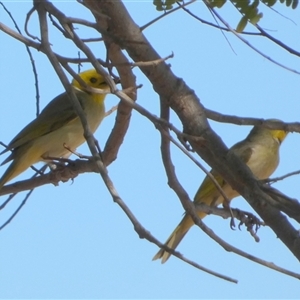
[[35, 74], [82, 22], [212, 24], [17, 210], [278, 42], [40, 171], [152, 62], [110, 111], [28, 16], [237, 251], [272, 180], [165, 14], [218, 117], [216, 20], [261, 32], [92, 40], [247, 42]]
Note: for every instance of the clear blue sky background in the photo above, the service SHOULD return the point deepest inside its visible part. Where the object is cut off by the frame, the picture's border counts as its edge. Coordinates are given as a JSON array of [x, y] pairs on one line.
[[72, 241]]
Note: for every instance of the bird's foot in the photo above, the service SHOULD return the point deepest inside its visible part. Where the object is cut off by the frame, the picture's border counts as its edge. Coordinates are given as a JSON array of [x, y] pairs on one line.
[[251, 222]]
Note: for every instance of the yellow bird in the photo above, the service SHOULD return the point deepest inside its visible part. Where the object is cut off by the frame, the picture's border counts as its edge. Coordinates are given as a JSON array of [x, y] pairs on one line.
[[56, 127], [260, 151]]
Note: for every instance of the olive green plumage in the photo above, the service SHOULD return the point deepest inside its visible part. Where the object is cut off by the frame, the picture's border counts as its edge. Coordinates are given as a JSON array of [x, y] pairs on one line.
[[57, 127], [260, 151]]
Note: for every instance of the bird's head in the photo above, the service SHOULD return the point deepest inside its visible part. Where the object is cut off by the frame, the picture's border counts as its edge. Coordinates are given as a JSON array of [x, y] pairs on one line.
[[278, 134], [92, 79]]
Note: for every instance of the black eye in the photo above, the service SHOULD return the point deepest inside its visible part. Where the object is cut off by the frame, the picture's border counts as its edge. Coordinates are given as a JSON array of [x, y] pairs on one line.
[[93, 80]]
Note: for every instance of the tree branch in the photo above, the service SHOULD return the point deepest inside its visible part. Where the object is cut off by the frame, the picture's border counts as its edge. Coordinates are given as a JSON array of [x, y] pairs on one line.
[[187, 106]]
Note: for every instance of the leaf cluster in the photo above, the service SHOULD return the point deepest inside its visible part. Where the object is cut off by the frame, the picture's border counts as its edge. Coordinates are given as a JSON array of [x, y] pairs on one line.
[[248, 9], [163, 5]]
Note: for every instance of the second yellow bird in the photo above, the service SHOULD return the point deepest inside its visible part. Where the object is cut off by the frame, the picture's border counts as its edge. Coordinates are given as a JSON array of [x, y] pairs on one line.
[[56, 127], [260, 151]]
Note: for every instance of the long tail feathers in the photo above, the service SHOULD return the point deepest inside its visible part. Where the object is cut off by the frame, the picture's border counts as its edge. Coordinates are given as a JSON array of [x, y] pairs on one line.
[[12, 171], [176, 237], [21, 162]]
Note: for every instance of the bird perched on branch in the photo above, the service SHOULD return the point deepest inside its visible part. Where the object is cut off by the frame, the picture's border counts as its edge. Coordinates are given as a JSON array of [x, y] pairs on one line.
[[260, 151], [57, 128]]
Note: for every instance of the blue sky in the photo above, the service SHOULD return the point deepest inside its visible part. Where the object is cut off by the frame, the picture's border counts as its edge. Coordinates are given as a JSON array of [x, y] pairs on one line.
[[72, 241]]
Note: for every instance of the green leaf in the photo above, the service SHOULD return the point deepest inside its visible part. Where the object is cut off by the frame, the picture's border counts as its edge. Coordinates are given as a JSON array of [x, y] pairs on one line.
[[249, 11], [217, 3], [158, 5], [256, 18], [162, 5], [242, 24], [295, 4], [269, 3], [169, 4]]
